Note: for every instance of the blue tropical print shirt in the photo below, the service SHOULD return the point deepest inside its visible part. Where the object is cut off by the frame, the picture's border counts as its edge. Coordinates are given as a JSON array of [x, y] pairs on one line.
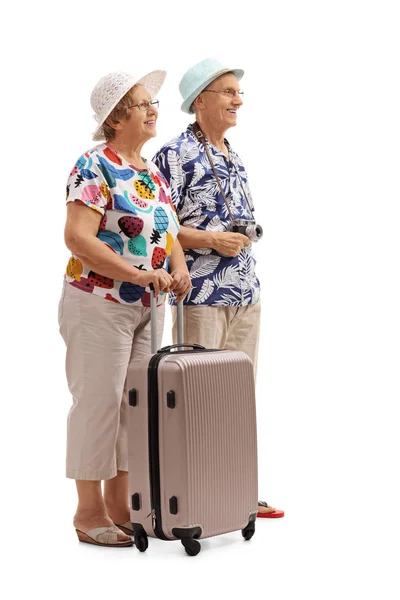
[[217, 280]]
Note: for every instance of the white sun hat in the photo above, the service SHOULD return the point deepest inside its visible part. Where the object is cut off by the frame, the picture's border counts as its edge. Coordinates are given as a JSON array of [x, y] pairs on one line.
[[109, 90], [200, 76]]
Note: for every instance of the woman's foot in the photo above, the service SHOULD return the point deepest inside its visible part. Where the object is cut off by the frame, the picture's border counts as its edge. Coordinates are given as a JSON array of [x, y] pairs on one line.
[[92, 521], [87, 520], [121, 518], [126, 527], [111, 537]]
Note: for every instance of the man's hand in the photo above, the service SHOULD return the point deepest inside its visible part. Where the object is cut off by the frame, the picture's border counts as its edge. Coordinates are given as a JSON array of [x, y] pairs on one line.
[[229, 244], [181, 283], [160, 279]]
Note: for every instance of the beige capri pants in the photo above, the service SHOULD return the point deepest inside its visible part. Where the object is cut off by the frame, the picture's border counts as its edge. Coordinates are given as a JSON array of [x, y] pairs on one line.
[[102, 339], [224, 327]]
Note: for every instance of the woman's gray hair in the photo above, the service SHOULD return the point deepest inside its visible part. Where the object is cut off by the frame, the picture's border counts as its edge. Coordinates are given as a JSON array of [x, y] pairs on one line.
[[121, 111]]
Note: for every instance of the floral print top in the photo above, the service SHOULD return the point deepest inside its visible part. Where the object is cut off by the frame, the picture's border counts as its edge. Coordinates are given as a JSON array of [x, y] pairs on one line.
[[217, 280], [138, 222]]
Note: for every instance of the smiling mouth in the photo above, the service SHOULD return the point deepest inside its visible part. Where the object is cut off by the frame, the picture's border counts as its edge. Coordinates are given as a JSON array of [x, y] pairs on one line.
[[231, 111], [152, 122]]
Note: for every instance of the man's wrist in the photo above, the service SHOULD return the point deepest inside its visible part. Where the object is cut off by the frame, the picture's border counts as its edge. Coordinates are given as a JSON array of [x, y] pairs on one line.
[[211, 243]]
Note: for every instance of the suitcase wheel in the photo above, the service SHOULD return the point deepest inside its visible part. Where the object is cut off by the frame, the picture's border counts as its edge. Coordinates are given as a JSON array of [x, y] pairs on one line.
[[249, 530], [188, 537], [192, 547], [141, 542]]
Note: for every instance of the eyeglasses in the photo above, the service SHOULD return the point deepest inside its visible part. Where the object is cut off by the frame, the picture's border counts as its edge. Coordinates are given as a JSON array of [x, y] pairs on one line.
[[229, 92], [145, 105]]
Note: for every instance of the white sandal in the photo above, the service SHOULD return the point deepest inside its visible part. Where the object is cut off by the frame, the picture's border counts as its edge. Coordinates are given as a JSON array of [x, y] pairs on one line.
[[104, 536], [126, 528]]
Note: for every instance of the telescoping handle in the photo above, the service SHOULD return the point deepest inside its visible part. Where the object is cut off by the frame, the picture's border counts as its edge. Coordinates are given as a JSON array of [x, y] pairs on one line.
[[153, 317]]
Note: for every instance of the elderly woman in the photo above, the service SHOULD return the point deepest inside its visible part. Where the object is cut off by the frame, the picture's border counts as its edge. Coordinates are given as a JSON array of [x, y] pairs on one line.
[[121, 229]]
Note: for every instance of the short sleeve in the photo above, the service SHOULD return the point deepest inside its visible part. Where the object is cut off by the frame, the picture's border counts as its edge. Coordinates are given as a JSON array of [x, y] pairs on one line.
[[87, 184], [242, 173], [169, 163], [248, 193]]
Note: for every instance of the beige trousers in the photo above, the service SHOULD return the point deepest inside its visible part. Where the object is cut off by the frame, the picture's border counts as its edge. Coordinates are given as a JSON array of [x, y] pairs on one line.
[[102, 339], [224, 327]]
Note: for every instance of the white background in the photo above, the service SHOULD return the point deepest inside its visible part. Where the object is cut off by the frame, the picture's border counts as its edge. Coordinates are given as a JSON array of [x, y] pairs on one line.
[[319, 135]]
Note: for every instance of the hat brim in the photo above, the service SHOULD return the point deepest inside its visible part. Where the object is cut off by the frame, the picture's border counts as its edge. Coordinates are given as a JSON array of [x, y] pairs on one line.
[[187, 103], [152, 82]]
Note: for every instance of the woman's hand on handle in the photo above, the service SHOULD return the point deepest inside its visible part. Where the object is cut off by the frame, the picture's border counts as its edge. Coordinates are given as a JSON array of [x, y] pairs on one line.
[[159, 278]]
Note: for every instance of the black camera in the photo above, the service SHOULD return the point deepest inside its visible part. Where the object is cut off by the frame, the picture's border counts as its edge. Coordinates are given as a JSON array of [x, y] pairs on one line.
[[250, 228]]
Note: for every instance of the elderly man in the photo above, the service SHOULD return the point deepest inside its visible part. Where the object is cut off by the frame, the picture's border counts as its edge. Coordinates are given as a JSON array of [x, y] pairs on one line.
[[209, 188]]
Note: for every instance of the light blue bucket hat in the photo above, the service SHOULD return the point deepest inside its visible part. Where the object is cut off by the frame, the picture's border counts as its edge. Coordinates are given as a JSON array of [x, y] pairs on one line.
[[199, 77]]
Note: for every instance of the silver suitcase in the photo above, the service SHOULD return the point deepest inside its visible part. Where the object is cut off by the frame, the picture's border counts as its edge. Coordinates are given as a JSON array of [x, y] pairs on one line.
[[192, 444]]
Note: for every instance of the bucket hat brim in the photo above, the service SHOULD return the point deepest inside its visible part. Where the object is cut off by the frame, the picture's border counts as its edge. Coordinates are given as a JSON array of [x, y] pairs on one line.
[[187, 103], [152, 82]]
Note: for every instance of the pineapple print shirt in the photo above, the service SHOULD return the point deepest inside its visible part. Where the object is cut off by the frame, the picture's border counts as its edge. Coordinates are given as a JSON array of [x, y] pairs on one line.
[[138, 220]]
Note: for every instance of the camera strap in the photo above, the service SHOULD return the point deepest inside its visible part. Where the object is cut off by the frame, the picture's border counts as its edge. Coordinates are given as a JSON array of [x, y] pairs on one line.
[[201, 137]]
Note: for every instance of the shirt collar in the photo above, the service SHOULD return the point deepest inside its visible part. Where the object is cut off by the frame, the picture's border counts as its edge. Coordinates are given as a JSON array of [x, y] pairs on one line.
[[214, 149]]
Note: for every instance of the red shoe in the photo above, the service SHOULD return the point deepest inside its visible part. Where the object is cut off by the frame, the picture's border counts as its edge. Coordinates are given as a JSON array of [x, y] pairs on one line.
[[276, 514]]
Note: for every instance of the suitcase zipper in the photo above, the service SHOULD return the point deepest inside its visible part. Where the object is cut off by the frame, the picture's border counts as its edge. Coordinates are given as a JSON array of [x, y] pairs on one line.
[[154, 455]]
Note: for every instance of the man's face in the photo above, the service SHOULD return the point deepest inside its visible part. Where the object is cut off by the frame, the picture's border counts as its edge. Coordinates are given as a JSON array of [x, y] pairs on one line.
[[221, 101]]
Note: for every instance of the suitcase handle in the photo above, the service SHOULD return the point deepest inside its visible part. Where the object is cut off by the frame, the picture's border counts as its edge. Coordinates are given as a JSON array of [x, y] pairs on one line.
[[153, 319], [193, 346]]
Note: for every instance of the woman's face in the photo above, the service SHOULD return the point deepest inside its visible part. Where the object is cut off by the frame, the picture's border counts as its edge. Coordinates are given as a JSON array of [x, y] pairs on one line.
[[141, 124]]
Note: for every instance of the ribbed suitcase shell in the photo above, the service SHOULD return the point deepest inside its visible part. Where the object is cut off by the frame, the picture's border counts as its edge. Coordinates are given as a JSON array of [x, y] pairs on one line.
[[207, 450]]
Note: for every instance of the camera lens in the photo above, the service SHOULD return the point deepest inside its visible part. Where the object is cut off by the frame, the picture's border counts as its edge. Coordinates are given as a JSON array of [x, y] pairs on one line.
[[254, 232]]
